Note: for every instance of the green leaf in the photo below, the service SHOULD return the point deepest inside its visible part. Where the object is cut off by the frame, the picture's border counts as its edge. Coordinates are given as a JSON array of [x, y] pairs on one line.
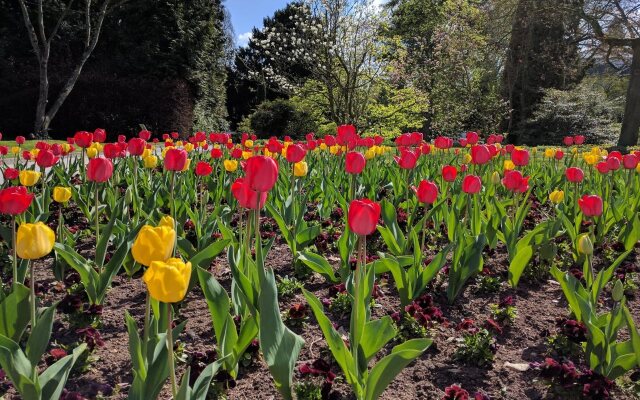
[[203, 383], [135, 349], [334, 339], [39, 337], [385, 371], [18, 368], [376, 334], [279, 345], [55, 377], [14, 313], [306, 236], [318, 264], [518, 264]]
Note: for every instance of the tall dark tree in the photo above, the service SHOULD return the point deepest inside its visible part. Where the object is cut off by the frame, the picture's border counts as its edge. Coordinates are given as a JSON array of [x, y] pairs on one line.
[[543, 53], [615, 26]]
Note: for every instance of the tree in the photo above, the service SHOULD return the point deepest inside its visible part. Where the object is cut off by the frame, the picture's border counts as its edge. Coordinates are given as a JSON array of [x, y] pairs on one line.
[[41, 42], [615, 27], [542, 54]]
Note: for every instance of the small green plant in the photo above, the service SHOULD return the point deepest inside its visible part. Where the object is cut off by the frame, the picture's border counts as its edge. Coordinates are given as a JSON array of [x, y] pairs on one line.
[[287, 287], [308, 391], [410, 328], [341, 304], [476, 348], [504, 315], [562, 346], [488, 284]]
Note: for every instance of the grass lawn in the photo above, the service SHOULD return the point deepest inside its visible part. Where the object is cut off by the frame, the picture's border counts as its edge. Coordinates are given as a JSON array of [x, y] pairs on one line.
[[28, 145]]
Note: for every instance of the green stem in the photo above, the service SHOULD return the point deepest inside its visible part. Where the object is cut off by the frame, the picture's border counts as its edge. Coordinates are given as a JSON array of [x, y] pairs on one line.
[[172, 367], [424, 233], [32, 287], [15, 252], [294, 216], [97, 222], [145, 328], [172, 204], [44, 177]]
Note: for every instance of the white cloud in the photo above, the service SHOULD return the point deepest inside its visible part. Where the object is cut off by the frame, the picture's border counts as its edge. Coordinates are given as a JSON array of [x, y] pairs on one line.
[[378, 3], [243, 38]]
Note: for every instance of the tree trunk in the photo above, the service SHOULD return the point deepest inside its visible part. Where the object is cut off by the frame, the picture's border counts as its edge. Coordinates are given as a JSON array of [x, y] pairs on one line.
[[631, 120]]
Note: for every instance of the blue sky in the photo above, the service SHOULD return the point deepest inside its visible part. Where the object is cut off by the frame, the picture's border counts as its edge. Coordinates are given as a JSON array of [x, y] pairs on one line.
[[245, 14]]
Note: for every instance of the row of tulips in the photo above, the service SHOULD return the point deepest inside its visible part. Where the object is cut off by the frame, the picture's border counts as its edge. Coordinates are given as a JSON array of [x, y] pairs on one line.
[[464, 199]]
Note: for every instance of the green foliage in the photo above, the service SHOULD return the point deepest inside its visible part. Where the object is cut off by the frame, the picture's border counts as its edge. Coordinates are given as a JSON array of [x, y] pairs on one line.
[[592, 108], [476, 348], [281, 117]]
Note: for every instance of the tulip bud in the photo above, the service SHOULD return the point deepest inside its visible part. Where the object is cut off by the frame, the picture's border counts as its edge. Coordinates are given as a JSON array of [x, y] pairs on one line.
[[617, 294], [495, 177], [168, 281], [29, 178], [300, 169], [585, 246]]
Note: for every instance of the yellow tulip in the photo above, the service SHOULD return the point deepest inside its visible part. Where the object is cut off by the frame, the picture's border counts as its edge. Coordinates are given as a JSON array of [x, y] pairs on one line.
[[230, 165], [146, 153], [509, 165], [34, 241], [92, 152], [369, 154], [168, 281], [246, 155], [186, 165], [167, 221], [150, 162], [557, 196], [153, 244], [323, 146], [15, 150], [179, 143], [300, 168], [188, 147], [534, 150], [66, 147], [34, 153], [549, 152], [334, 149], [590, 159], [467, 158], [248, 143], [61, 194], [638, 168], [28, 177]]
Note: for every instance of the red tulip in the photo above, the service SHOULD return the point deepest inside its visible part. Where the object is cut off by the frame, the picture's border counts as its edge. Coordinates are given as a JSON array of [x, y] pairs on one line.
[[4, 150], [472, 138], [463, 142], [515, 182], [590, 205], [83, 139], [175, 159], [295, 153], [354, 162], [363, 216], [449, 173], [345, 134], [236, 153], [136, 146], [630, 161], [407, 159], [427, 192], [442, 142], [15, 200], [425, 149], [602, 167], [615, 154], [330, 140], [175, 135], [20, 140], [40, 145], [246, 197], [144, 134], [509, 148], [578, 139], [100, 135], [568, 140], [26, 154], [56, 149], [574, 174], [203, 169], [480, 154], [216, 153], [613, 163], [46, 159], [11, 174], [113, 150], [520, 157], [471, 184], [99, 169], [261, 173], [559, 154]]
